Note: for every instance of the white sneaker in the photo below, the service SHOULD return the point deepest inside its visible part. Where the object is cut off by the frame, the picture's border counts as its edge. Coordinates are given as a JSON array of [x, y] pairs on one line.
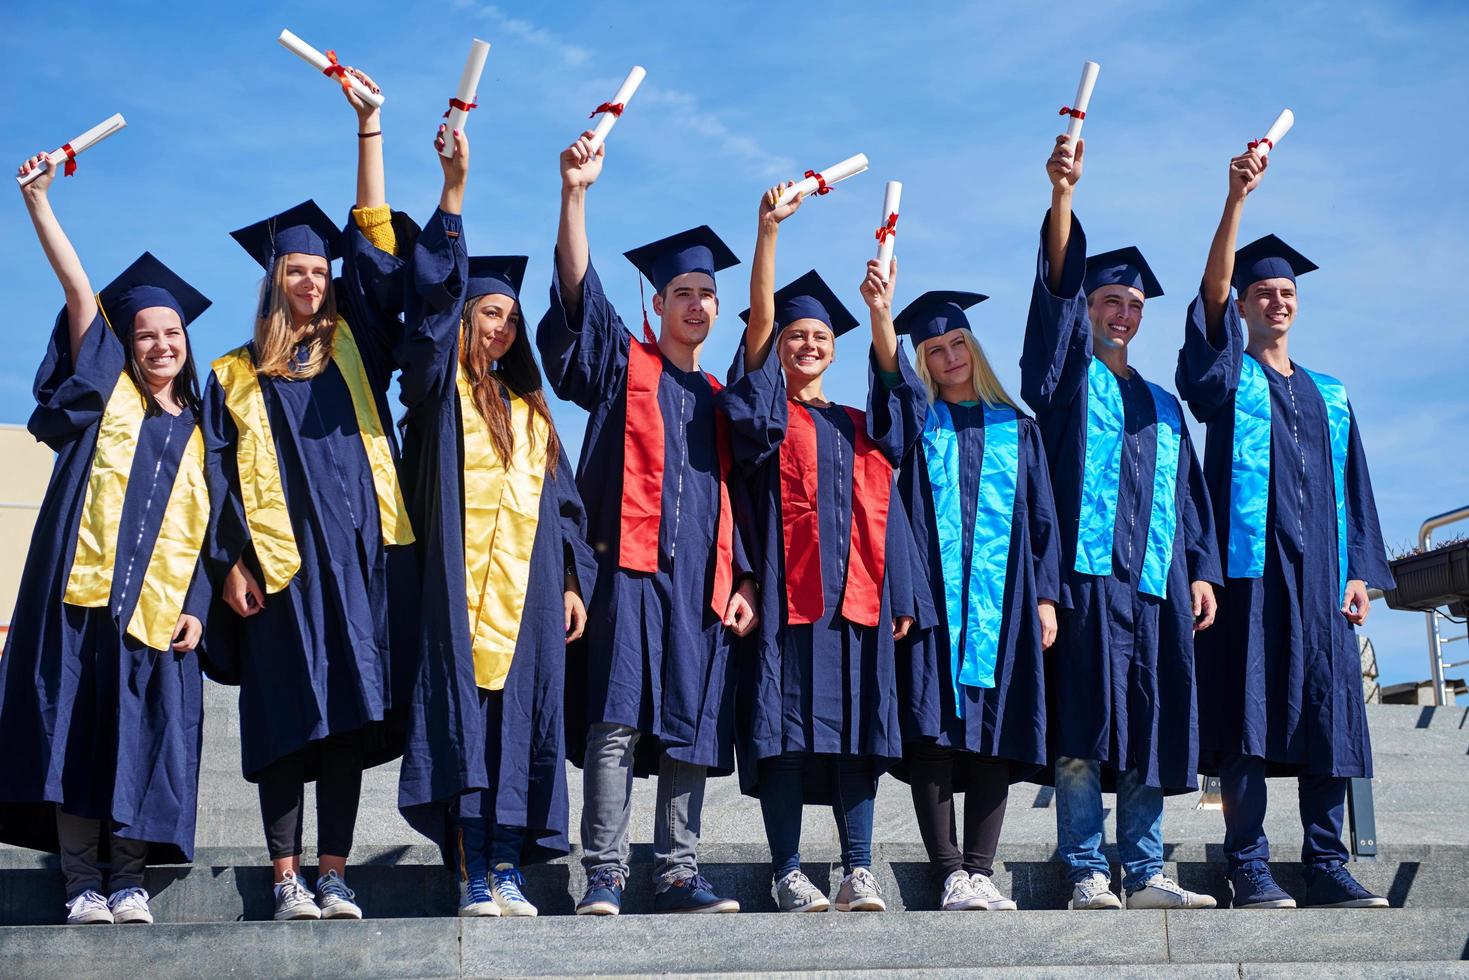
[[989, 896], [796, 893], [1094, 892], [476, 899], [1162, 892], [859, 893], [505, 882], [293, 901], [959, 894], [335, 899], [130, 905], [88, 908]]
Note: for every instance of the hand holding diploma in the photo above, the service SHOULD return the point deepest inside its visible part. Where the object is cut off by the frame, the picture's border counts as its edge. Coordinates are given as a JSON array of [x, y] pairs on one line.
[[66, 154], [612, 111], [466, 95], [581, 163], [820, 182], [327, 64]]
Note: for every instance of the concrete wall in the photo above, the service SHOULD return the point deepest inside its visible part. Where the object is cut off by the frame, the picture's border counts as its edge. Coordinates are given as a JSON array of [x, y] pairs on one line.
[[25, 469]]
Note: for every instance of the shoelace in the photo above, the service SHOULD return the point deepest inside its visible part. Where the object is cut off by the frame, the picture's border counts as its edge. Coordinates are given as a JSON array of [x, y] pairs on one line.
[[697, 883], [984, 888], [1350, 885], [129, 896], [1164, 883], [1093, 886], [862, 878], [961, 887], [1260, 878], [86, 901], [796, 882], [477, 890], [604, 878], [292, 892], [333, 887], [509, 882]]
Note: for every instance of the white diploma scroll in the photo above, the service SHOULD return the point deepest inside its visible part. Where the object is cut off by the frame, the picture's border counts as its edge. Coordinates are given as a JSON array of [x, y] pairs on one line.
[[1278, 129], [326, 66], [464, 98], [887, 232], [1077, 110], [67, 152], [612, 110], [820, 182]]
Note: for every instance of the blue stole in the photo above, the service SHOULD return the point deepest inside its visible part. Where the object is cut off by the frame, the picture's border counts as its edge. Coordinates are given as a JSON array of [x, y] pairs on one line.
[[1097, 528], [1249, 477], [974, 627]]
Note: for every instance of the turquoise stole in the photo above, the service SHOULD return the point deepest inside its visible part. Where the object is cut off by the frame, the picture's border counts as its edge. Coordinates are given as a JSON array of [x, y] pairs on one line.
[[1096, 529], [972, 663], [1249, 475]]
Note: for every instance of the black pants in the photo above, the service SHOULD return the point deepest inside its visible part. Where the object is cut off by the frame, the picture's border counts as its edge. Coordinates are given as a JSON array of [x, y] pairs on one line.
[[338, 789], [986, 789], [78, 838]]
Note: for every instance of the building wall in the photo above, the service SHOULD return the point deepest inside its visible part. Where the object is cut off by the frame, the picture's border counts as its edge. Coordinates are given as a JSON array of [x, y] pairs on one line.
[[25, 469]]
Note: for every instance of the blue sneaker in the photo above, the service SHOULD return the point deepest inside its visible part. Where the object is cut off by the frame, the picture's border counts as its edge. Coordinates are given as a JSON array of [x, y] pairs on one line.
[[475, 898], [604, 893], [691, 894], [1255, 888], [1337, 889]]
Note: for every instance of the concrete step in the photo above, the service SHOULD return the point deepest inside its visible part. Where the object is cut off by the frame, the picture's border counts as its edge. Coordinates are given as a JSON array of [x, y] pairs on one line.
[[230, 884], [1213, 944]]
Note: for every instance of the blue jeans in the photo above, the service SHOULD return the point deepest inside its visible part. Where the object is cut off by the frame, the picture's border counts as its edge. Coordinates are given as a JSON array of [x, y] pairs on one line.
[[782, 796], [476, 855], [1079, 823]]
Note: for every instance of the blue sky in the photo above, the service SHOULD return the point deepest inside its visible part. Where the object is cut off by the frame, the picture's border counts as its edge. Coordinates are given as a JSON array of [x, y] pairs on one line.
[[956, 100]]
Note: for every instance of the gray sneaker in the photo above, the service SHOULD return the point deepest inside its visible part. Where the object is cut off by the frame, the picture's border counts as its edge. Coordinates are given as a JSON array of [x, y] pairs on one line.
[[796, 893], [859, 893], [1094, 892], [988, 896], [1162, 892], [293, 901], [335, 899], [88, 908]]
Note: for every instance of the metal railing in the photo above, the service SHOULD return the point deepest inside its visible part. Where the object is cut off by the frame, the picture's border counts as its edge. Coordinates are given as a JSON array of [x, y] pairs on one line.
[[1435, 641]]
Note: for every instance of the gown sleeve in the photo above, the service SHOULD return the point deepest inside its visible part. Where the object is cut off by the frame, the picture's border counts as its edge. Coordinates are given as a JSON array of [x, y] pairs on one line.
[[583, 349], [1196, 517], [896, 407], [1058, 336], [433, 308], [71, 395], [1045, 531], [228, 536], [1366, 554], [577, 554], [757, 408], [372, 286], [1208, 373]]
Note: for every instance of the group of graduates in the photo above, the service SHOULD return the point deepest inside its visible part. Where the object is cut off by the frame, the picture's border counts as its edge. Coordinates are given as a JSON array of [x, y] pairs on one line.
[[739, 576]]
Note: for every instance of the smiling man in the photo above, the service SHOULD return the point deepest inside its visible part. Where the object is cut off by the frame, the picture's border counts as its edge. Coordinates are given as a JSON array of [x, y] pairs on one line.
[[1138, 559], [1298, 528], [674, 590]]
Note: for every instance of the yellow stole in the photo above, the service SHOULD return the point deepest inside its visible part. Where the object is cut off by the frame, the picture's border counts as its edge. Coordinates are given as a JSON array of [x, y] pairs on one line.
[[180, 537], [260, 476], [501, 511]]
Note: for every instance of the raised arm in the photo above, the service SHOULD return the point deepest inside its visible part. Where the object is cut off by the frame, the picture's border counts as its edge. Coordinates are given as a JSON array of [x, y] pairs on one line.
[[81, 304], [761, 329], [1245, 172], [580, 168], [1064, 170], [877, 293], [371, 184]]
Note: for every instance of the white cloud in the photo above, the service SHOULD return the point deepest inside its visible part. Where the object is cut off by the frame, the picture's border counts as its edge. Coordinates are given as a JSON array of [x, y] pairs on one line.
[[728, 144], [570, 54]]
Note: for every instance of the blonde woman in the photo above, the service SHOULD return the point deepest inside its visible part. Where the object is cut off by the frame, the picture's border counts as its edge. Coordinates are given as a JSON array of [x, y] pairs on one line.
[[973, 701], [309, 515]]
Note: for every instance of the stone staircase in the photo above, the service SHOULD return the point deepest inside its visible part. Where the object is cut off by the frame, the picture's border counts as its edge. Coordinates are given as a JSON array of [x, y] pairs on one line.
[[212, 915]]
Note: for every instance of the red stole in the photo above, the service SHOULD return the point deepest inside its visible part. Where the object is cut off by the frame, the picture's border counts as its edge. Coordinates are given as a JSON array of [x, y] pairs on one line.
[[642, 475], [872, 485]]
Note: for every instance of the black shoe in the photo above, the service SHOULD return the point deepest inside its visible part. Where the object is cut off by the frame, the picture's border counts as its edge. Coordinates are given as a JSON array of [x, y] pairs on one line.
[[1337, 889]]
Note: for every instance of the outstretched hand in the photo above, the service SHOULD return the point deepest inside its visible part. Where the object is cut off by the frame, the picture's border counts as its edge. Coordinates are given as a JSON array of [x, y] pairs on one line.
[[36, 188], [1245, 172], [365, 110], [580, 165], [772, 210], [1063, 166]]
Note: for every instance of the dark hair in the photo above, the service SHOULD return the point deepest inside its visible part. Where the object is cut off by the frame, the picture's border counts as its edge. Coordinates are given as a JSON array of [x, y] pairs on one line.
[[185, 384], [518, 372]]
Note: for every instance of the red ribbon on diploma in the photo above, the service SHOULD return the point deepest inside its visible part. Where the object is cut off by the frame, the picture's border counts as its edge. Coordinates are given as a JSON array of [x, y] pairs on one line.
[[889, 229], [456, 104], [1066, 110], [1263, 139], [337, 71], [613, 107], [821, 187], [71, 160]]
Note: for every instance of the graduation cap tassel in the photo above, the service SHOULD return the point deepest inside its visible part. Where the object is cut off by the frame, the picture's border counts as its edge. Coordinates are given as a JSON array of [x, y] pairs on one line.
[[647, 329]]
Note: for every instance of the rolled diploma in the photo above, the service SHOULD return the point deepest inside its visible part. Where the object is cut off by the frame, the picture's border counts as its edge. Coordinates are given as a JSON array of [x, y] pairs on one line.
[[1083, 99], [86, 141], [849, 167], [890, 200], [317, 60], [1276, 132], [468, 87], [624, 96]]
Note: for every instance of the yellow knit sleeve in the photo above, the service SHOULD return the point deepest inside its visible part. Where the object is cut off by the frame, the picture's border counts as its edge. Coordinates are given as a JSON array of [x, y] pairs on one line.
[[377, 224]]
